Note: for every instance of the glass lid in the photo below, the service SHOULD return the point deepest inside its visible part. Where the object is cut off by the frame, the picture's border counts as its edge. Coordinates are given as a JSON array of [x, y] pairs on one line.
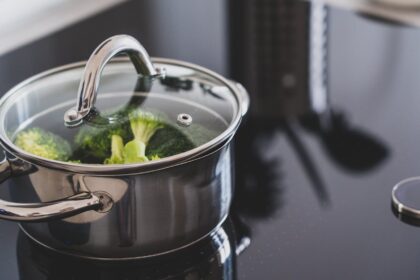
[[123, 111]]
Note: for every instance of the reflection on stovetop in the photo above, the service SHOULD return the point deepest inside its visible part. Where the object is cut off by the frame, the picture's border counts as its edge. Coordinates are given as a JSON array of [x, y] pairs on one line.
[[258, 161], [211, 258]]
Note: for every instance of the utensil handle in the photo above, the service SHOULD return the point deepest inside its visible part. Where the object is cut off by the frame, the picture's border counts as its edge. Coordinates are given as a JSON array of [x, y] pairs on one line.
[[89, 84], [44, 211]]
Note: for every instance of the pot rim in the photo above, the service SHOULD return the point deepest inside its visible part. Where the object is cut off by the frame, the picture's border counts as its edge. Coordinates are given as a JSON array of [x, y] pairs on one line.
[[125, 169]]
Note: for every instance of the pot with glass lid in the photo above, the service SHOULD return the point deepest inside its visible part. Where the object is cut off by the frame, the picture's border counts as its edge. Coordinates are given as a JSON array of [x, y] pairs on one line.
[[139, 166]]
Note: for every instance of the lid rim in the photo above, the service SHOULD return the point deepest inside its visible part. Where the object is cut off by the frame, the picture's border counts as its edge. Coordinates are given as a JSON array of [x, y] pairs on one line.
[[123, 169]]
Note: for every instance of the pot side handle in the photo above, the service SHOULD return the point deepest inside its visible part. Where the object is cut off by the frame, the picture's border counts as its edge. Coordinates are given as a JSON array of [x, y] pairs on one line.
[[45, 211], [243, 97]]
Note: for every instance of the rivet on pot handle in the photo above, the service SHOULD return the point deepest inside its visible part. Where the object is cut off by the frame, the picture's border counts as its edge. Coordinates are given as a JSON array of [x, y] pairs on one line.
[[89, 84], [44, 211]]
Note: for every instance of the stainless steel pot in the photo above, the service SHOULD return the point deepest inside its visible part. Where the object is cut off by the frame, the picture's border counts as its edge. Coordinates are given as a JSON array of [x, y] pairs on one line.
[[129, 210]]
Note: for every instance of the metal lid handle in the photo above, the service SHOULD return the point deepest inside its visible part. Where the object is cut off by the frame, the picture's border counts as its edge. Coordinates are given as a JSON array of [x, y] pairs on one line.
[[88, 87]]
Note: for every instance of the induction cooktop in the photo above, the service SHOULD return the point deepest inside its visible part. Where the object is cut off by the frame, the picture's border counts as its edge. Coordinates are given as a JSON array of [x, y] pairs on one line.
[[312, 192]]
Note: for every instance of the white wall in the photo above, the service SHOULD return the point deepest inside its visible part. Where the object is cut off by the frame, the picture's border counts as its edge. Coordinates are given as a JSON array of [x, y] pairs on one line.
[[191, 30]]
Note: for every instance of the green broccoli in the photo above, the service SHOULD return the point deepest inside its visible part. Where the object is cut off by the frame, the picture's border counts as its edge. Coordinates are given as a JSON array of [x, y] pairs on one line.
[[148, 136], [117, 147], [168, 141], [143, 126], [154, 157], [198, 134], [43, 143], [172, 140], [93, 144]]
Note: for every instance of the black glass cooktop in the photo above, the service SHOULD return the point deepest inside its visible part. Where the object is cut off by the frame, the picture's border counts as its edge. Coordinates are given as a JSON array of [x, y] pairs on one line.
[[313, 193]]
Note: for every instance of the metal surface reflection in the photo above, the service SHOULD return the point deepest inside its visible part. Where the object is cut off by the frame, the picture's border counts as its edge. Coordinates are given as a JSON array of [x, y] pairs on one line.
[[212, 258]]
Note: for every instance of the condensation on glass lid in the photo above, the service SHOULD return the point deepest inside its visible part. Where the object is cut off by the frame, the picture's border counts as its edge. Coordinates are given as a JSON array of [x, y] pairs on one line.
[[406, 197]]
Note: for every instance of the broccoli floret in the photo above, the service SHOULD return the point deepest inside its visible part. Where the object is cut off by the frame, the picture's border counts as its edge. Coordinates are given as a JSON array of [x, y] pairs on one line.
[[168, 141], [198, 134], [172, 140], [154, 157], [93, 144], [134, 151], [143, 126], [43, 143], [148, 136], [117, 149]]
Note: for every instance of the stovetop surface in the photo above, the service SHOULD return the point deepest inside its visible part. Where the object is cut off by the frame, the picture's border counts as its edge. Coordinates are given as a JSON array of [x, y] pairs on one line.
[[314, 201]]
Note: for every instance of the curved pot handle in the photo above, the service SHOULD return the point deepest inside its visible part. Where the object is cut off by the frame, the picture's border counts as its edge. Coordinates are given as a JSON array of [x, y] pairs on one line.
[[44, 211], [89, 84]]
